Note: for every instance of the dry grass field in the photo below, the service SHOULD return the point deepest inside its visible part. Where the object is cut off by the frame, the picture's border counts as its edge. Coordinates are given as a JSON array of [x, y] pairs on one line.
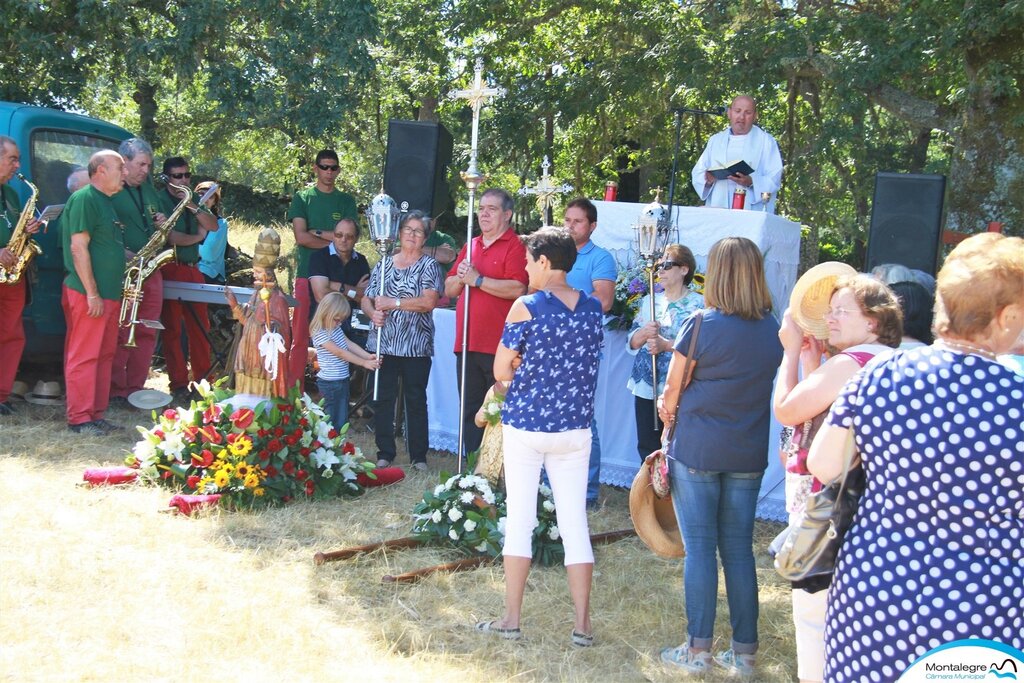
[[101, 585], [98, 584]]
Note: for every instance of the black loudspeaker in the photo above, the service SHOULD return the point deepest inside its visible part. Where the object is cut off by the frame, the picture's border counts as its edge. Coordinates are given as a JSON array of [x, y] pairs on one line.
[[416, 165], [906, 221]]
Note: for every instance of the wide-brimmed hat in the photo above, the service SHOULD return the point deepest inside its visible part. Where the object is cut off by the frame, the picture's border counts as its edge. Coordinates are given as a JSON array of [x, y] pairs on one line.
[[812, 293], [654, 518], [149, 399], [46, 394], [19, 389]]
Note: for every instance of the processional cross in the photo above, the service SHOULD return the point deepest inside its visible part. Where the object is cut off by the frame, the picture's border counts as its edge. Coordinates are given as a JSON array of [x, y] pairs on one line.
[[546, 190], [477, 97]]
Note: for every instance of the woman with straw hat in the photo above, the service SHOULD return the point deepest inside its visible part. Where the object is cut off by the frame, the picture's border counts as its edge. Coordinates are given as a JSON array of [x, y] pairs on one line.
[[859, 317], [718, 453]]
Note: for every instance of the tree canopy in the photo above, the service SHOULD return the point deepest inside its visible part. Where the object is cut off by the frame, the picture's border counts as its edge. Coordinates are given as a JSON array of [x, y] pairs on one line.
[[849, 88]]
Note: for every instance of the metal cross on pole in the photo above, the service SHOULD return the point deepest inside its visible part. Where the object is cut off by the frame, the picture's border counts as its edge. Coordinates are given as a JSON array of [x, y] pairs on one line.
[[545, 189], [477, 97]]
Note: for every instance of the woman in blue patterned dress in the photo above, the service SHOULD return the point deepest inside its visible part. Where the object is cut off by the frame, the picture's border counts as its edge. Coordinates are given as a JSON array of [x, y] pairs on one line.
[[936, 551], [403, 317], [672, 306], [549, 351]]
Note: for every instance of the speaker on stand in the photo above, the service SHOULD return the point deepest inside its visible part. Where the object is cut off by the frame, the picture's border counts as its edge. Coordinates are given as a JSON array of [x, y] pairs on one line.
[[906, 221], [416, 165]]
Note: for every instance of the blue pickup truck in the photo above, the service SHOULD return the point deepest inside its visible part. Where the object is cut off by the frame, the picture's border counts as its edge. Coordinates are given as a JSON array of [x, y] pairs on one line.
[[53, 143]]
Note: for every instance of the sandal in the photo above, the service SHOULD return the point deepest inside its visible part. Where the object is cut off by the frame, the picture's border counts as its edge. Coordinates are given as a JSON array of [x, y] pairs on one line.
[[582, 639], [506, 633]]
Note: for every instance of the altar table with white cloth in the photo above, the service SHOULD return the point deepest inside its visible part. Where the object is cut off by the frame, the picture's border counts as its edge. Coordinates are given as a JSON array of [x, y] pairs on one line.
[[699, 229]]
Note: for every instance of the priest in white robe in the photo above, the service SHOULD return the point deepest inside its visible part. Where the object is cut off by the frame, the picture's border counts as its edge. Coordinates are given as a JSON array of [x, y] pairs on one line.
[[742, 140]]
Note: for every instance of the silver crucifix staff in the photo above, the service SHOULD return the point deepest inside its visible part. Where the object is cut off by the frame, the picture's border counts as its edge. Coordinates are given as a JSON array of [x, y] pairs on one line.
[[477, 96], [546, 190]]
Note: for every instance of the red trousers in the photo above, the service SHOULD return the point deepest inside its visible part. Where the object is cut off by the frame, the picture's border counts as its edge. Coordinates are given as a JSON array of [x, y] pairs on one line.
[[298, 354], [88, 355], [131, 366], [196, 326], [12, 334]]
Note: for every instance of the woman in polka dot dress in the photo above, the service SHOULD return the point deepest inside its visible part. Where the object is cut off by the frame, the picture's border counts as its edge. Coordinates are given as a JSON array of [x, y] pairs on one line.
[[936, 553]]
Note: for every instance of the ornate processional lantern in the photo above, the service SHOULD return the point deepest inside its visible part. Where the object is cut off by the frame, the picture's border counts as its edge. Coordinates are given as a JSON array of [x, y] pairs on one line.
[[652, 236], [383, 216]]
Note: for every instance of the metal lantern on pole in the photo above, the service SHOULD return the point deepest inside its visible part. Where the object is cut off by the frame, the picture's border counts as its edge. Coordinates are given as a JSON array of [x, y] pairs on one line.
[[383, 216], [473, 178], [652, 231]]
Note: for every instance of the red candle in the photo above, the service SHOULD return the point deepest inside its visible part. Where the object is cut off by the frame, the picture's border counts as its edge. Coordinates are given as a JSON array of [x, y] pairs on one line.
[[611, 191], [739, 197]]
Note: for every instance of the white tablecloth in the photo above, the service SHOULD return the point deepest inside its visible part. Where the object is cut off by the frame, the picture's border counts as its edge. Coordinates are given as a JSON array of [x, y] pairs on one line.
[[699, 229]]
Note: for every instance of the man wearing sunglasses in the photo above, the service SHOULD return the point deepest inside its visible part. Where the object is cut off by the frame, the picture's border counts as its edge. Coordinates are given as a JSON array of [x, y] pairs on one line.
[[593, 274], [314, 213], [189, 231]]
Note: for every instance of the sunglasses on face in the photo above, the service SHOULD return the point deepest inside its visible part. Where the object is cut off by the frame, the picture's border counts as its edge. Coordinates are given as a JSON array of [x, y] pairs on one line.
[[669, 265], [328, 167], [179, 176]]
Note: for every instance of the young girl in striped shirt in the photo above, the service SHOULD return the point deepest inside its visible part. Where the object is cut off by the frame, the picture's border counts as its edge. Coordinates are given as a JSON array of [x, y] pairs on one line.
[[334, 352]]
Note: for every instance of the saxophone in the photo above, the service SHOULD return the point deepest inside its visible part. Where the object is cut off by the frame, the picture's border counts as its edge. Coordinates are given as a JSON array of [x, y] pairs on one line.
[[21, 244], [146, 261]]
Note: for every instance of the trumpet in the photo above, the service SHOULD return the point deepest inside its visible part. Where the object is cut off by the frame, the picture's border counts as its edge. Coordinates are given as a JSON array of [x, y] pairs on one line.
[[145, 263]]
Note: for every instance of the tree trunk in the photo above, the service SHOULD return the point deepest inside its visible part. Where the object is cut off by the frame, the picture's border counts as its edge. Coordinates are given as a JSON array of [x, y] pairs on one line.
[[145, 97]]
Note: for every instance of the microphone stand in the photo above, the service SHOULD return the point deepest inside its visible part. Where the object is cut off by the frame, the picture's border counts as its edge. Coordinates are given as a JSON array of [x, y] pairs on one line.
[[678, 112]]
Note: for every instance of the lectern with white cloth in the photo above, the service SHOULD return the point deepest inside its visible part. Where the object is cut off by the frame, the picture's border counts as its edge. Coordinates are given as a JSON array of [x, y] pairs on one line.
[[698, 229]]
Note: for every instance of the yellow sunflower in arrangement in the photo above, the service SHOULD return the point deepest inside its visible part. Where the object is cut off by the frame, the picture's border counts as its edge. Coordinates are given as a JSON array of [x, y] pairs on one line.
[[252, 480], [241, 446], [221, 478], [243, 469]]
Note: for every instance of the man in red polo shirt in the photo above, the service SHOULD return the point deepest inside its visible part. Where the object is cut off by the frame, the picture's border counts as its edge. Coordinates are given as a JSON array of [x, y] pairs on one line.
[[497, 272]]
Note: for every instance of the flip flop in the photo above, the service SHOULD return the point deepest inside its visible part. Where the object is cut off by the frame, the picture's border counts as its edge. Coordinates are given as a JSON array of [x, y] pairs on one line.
[[506, 633], [582, 639]]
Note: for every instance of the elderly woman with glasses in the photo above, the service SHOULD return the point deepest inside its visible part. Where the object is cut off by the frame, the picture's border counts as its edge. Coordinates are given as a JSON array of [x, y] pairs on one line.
[[413, 283], [674, 304]]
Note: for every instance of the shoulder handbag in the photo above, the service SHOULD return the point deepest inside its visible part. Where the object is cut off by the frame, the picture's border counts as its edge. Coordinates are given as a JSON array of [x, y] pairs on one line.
[[809, 547], [658, 460]]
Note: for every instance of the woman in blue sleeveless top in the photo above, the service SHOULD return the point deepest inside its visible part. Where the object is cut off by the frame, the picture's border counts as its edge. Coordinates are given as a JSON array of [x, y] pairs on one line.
[[550, 350]]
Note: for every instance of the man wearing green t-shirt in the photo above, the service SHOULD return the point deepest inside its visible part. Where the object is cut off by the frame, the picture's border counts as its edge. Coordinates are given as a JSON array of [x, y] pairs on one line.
[[12, 295], [138, 208], [93, 240], [189, 231], [314, 212]]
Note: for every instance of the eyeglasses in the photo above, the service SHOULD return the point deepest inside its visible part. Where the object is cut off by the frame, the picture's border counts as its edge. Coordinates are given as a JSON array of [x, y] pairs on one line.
[[417, 232], [669, 265], [838, 312], [329, 167], [179, 176], [343, 236]]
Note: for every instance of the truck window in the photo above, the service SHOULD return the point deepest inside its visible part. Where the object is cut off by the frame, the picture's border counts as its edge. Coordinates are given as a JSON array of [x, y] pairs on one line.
[[55, 154]]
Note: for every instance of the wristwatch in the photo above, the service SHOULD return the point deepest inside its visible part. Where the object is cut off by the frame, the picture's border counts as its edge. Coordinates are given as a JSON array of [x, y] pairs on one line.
[[319, 233], [351, 293], [398, 302], [479, 281]]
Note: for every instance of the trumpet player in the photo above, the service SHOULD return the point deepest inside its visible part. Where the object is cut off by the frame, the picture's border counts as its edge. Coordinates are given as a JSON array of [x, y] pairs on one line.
[[138, 208], [189, 231], [13, 296], [94, 261]]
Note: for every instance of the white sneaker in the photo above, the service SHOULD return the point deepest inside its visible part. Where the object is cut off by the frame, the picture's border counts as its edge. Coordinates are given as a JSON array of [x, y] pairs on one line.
[[420, 466], [681, 657], [737, 665]]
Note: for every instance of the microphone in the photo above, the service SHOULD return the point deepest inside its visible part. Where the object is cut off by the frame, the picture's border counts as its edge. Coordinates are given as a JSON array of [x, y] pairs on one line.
[[717, 111]]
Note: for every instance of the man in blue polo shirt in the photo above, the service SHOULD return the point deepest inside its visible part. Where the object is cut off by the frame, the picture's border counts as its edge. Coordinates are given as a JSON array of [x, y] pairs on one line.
[[593, 273]]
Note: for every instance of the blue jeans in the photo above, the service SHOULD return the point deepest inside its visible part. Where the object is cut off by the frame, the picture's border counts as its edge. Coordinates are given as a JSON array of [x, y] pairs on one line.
[[716, 512], [335, 395]]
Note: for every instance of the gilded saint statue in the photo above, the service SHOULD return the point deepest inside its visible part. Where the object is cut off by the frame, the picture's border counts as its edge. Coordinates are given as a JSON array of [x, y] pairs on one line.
[[261, 363]]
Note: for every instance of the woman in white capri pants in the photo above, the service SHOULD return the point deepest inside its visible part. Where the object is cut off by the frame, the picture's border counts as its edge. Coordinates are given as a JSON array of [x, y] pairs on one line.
[[550, 350]]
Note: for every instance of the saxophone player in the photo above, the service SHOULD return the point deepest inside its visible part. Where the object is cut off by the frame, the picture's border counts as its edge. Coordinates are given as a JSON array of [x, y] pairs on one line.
[[13, 296], [138, 208], [94, 261], [189, 231]]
